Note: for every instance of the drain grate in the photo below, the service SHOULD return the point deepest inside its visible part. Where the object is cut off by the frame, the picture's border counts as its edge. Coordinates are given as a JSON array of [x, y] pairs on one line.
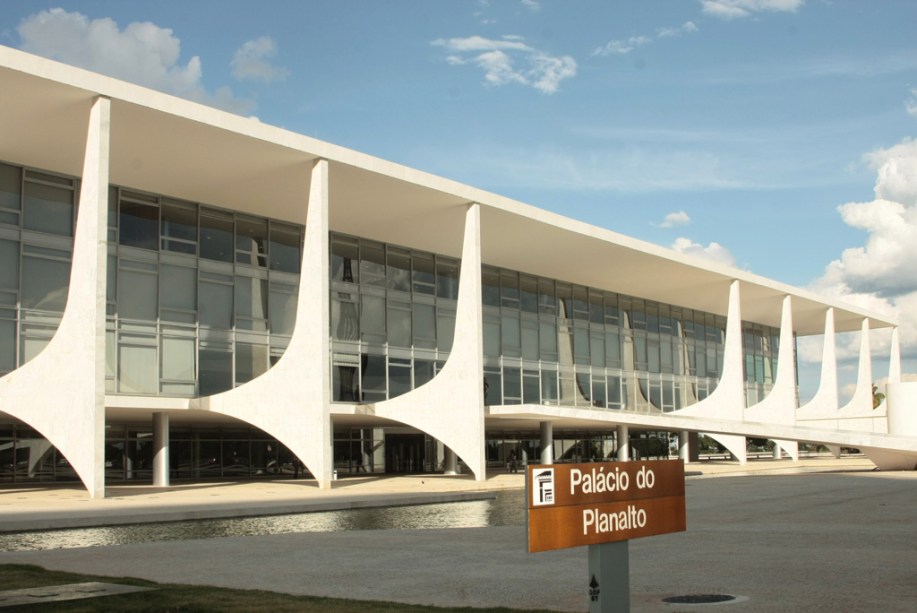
[[699, 599]]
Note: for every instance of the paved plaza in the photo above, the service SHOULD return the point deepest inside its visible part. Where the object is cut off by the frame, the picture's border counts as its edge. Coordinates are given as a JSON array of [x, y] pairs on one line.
[[818, 536]]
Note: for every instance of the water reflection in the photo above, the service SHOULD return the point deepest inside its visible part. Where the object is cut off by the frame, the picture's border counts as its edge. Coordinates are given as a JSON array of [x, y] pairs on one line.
[[507, 509]]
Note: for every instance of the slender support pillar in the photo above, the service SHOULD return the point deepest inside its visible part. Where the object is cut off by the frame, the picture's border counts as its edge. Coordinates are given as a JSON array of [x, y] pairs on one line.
[[160, 449], [450, 463], [609, 577], [547, 442], [623, 436], [777, 452], [683, 446]]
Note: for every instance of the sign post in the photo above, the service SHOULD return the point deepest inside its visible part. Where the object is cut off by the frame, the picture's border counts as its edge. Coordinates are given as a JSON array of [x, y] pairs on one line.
[[603, 505]]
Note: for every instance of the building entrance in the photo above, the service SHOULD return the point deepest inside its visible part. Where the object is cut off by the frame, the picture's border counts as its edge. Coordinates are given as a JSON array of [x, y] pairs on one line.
[[407, 453]]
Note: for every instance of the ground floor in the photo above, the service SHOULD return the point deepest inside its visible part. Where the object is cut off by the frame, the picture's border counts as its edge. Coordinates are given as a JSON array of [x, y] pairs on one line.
[[210, 451]]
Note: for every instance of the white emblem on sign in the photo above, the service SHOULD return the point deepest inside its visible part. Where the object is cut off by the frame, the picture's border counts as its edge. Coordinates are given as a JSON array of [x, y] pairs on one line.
[[543, 487]]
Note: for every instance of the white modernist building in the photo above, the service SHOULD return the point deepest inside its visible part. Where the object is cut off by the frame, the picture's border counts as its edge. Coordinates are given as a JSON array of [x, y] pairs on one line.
[[188, 293]]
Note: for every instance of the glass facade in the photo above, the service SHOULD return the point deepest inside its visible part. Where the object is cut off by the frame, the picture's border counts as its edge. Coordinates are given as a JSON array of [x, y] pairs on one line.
[[392, 318], [545, 341], [199, 299], [37, 213]]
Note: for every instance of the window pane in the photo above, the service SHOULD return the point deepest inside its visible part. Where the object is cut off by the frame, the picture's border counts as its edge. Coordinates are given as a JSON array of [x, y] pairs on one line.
[[179, 222], [7, 346], [138, 370], [286, 253], [399, 326], [9, 265], [10, 186], [399, 377], [283, 312], [178, 359], [424, 274], [373, 381], [345, 323], [511, 338], [216, 235], [445, 330], [137, 295], [424, 323], [447, 276], [251, 241], [399, 270], [423, 372], [139, 225], [251, 361], [372, 315], [48, 209], [530, 340], [372, 264], [179, 286], [490, 280], [216, 306], [44, 284], [492, 339], [345, 257], [251, 298], [512, 385], [549, 385], [215, 371]]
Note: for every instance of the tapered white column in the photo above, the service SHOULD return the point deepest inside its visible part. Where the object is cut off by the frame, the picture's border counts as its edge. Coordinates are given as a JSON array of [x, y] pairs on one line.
[[291, 401], [727, 402], [825, 401], [450, 408], [779, 407], [61, 391], [861, 401]]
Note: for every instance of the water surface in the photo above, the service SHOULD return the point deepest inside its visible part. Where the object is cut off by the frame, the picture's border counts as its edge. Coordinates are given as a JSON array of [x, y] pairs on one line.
[[507, 509]]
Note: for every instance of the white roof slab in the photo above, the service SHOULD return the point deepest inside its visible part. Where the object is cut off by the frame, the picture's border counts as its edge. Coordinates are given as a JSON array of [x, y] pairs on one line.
[[172, 146]]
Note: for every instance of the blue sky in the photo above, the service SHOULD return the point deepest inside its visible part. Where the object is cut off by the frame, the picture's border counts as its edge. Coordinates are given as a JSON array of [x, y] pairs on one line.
[[776, 135]]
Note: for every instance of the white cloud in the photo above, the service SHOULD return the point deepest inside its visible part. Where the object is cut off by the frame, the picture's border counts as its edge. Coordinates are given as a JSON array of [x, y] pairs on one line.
[[509, 60], [142, 53], [688, 26], [671, 220], [251, 61], [714, 251], [733, 9], [532, 5], [626, 45], [881, 275]]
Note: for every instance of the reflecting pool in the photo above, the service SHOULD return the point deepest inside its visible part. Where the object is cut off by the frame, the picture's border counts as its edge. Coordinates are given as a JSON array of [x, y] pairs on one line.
[[507, 509]]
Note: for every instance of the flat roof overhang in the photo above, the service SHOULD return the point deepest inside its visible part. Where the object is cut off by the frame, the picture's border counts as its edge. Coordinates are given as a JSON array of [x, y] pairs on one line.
[[172, 146]]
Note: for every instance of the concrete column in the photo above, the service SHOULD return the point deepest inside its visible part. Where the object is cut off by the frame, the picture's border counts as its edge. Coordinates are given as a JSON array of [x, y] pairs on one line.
[[777, 452], [547, 442], [623, 443], [693, 447], [160, 449], [683, 446], [450, 462]]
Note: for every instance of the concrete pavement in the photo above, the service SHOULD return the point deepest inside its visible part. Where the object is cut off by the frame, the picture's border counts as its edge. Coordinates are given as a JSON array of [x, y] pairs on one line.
[[841, 540]]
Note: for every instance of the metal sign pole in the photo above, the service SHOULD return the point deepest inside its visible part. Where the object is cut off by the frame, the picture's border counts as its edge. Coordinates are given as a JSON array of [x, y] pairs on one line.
[[609, 578]]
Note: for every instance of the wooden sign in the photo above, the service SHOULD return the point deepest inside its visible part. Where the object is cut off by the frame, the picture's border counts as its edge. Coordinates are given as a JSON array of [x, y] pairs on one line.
[[570, 505]]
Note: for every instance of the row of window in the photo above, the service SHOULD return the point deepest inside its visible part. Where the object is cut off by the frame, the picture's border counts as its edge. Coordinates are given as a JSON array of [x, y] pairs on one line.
[[202, 299]]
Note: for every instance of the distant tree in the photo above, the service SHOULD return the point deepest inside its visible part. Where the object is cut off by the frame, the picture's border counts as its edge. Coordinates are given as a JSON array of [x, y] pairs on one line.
[[877, 397]]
